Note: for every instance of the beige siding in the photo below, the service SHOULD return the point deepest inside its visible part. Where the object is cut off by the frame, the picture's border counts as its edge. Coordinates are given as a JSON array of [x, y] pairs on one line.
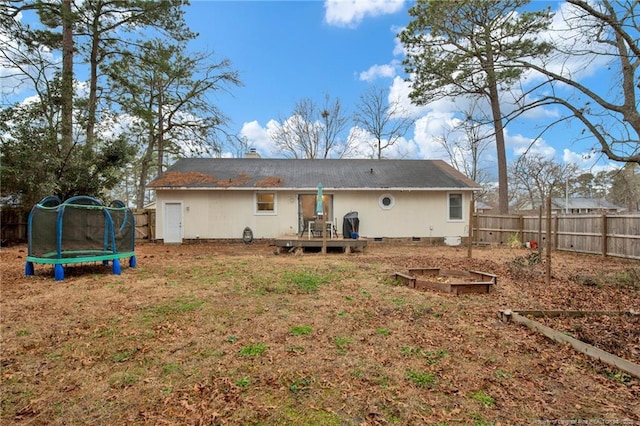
[[414, 214], [225, 214]]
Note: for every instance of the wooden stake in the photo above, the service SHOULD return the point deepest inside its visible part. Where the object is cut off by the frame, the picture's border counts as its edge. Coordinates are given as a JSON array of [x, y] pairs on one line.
[[549, 243], [324, 231], [470, 237]]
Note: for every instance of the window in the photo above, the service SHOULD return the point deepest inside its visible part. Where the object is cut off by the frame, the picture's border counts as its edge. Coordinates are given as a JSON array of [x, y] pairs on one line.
[[455, 206], [386, 201], [266, 203]]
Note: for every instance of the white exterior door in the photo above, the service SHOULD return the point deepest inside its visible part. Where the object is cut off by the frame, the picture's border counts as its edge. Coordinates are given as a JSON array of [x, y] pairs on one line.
[[173, 223]]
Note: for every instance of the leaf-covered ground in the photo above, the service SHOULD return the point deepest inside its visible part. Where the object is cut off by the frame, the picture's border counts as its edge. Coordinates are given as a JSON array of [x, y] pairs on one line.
[[228, 333]]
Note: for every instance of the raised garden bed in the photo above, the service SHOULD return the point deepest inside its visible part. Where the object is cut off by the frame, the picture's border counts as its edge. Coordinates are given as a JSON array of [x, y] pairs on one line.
[[448, 280]]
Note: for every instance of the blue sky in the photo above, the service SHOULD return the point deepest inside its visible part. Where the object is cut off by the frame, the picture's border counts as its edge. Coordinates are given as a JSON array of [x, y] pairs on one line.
[[286, 51], [289, 50]]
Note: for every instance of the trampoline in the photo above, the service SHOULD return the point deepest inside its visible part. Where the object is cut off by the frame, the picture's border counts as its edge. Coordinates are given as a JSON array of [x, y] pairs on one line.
[[79, 230]]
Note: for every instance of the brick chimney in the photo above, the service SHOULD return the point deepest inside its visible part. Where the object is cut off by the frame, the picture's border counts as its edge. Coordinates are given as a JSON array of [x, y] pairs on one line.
[[253, 153]]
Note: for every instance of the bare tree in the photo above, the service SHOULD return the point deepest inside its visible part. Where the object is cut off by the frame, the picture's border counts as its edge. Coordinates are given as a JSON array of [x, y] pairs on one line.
[[313, 132], [536, 178], [334, 122], [465, 143], [607, 28], [625, 187], [386, 122], [238, 144], [298, 136]]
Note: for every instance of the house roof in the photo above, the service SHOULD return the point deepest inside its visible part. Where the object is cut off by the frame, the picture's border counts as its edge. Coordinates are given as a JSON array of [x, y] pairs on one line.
[[252, 173], [584, 203], [577, 203]]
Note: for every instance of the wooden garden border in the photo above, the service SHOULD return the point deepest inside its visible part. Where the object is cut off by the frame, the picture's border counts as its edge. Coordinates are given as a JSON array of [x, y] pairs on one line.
[[629, 367]]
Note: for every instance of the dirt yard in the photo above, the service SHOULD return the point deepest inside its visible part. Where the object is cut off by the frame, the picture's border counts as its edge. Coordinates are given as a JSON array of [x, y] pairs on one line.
[[213, 334]]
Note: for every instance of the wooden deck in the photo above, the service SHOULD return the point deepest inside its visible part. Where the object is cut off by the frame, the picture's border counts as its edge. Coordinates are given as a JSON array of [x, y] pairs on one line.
[[298, 245]]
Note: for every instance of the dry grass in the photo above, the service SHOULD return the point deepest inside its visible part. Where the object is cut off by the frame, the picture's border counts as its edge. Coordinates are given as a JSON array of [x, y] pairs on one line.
[[233, 334]]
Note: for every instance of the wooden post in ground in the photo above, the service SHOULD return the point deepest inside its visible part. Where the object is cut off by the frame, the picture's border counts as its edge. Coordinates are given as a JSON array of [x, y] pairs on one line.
[[324, 231], [540, 231], [604, 235], [470, 237], [549, 243]]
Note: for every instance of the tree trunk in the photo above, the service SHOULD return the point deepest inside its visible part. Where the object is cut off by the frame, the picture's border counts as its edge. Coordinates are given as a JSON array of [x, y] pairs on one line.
[[66, 125], [498, 128], [503, 184], [93, 83], [160, 132], [144, 170]]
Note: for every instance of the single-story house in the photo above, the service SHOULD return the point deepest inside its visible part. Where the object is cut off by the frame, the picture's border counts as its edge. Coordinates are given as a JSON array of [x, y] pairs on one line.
[[575, 205], [217, 198], [482, 207]]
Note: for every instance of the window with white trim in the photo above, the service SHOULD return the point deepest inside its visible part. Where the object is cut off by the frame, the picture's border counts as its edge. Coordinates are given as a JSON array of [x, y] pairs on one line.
[[265, 203], [455, 206]]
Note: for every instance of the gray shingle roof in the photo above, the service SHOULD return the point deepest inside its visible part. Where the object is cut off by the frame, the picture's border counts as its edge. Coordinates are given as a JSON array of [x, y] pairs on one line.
[[577, 203], [306, 174], [585, 203]]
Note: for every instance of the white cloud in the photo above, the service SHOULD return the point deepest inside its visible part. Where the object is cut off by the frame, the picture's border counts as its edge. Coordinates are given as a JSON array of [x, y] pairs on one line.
[[571, 157], [399, 92], [349, 13], [427, 129], [520, 144], [378, 71], [258, 136], [588, 162], [398, 47]]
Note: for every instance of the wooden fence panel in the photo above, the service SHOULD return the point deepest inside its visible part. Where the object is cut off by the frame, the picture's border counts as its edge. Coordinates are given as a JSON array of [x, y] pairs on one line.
[[623, 236], [14, 225], [493, 229], [142, 224], [145, 224], [615, 235], [532, 231], [580, 233]]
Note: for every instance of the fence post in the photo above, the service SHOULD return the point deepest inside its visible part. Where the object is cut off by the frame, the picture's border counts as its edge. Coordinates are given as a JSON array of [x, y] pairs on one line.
[[470, 242], [521, 228], [540, 231], [548, 266], [604, 235]]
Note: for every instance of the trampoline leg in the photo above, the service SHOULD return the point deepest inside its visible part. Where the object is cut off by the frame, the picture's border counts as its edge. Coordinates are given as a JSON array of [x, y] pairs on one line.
[[116, 266], [58, 272], [28, 269], [132, 262]]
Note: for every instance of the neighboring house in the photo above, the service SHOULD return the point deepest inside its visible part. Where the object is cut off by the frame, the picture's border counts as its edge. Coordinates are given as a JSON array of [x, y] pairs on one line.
[[583, 206], [211, 198], [483, 208], [577, 205]]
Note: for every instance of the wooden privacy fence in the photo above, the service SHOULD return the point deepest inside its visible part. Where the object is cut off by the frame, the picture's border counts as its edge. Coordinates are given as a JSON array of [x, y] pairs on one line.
[[14, 225], [608, 235]]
